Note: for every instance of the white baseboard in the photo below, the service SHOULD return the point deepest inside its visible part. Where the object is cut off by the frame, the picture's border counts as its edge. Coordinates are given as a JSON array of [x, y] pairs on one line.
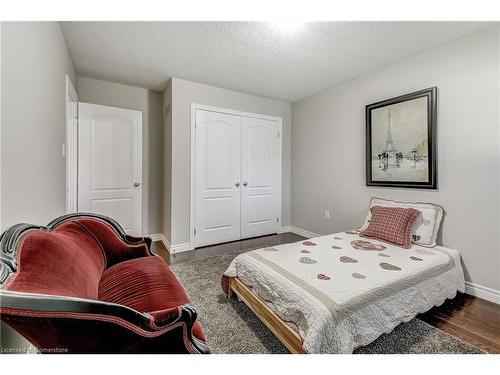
[[303, 232], [180, 248], [171, 248], [161, 238], [155, 237], [299, 231], [483, 292]]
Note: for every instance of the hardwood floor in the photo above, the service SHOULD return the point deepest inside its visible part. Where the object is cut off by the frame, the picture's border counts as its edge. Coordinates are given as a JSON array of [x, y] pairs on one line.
[[236, 247], [471, 319]]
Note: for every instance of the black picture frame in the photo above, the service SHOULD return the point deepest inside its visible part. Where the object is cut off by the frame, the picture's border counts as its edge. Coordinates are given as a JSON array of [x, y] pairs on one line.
[[431, 94]]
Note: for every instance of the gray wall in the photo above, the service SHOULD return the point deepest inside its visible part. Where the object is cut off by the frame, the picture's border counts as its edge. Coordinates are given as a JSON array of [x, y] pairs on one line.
[[150, 103], [34, 65], [35, 62], [167, 160], [183, 94], [328, 143]]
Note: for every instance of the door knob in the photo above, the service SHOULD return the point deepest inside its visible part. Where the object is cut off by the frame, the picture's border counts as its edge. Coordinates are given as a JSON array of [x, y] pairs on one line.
[[237, 184], [245, 183], [137, 184]]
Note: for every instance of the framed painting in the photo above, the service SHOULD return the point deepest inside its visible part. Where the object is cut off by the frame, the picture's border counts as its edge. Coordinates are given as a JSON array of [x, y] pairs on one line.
[[401, 141]]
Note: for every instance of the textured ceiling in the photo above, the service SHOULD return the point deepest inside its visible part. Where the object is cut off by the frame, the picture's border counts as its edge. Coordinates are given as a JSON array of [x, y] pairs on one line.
[[251, 57]]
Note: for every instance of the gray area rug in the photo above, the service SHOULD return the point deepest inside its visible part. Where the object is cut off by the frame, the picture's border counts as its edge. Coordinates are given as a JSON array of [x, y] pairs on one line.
[[231, 327]]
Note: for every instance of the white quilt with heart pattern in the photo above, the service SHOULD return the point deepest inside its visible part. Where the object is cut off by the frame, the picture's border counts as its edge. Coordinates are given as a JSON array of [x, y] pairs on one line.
[[342, 291]]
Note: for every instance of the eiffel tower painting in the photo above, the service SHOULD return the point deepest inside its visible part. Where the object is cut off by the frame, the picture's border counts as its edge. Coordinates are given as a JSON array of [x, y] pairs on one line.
[[400, 142], [389, 142]]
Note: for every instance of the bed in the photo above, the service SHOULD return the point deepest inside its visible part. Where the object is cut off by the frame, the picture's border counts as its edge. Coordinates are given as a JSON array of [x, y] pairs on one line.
[[334, 293]]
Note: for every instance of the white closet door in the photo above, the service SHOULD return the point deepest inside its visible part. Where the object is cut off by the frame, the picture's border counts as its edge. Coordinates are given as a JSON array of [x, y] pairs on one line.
[[218, 177], [261, 177], [110, 164]]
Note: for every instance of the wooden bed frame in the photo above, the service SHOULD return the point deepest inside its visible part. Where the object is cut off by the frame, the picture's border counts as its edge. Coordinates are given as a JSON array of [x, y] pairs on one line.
[[289, 337]]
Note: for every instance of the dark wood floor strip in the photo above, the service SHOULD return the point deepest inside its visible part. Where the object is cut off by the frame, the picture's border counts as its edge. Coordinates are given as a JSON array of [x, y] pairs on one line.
[[464, 333]]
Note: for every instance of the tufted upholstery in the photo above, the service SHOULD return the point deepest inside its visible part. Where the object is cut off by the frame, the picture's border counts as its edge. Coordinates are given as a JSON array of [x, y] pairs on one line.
[[146, 285]]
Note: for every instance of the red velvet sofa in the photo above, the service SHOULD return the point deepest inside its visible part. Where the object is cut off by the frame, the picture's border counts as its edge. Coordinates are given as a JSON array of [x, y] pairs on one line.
[[82, 285]]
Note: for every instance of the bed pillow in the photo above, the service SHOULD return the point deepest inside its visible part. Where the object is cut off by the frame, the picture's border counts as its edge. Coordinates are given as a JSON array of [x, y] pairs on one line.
[[426, 228], [392, 224]]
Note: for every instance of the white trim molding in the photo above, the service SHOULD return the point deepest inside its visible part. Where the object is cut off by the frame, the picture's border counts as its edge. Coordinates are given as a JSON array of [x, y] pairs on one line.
[[180, 248], [211, 108], [303, 232], [157, 237], [483, 292], [70, 148], [160, 237]]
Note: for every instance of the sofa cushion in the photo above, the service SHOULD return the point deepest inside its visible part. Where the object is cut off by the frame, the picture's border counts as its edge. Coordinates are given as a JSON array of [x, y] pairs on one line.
[[67, 262], [146, 285]]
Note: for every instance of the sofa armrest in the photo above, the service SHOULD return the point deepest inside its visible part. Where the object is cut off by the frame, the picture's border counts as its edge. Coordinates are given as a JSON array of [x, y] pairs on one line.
[[19, 309], [162, 318], [33, 303], [185, 315]]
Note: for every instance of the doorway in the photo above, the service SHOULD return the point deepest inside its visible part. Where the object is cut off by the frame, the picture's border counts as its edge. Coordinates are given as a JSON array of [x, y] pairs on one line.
[[109, 164], [237, 175]]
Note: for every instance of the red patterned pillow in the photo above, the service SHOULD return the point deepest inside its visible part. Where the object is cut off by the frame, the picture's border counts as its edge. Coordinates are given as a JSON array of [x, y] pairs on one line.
[[392, 224]]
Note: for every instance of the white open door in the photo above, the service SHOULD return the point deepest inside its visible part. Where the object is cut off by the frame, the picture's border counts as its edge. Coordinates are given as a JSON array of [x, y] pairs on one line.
[[218, 174], [110, 164], [261, 177]]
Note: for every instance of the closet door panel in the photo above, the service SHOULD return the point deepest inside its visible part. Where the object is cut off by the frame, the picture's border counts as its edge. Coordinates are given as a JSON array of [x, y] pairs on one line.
[[261, 174], [218, 178]]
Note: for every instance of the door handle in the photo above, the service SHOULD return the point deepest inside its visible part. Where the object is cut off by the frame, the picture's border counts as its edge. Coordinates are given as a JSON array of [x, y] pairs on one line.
[[237, 184], [245, 183], [137, 184]]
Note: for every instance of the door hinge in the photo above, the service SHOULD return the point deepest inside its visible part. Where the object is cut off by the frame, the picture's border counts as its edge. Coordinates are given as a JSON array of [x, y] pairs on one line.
[[278, 134], [277, 219], [194, 232]]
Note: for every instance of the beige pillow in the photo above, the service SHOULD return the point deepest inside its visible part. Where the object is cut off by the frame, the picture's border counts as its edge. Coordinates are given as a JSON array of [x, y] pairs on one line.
[[425, 231]]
